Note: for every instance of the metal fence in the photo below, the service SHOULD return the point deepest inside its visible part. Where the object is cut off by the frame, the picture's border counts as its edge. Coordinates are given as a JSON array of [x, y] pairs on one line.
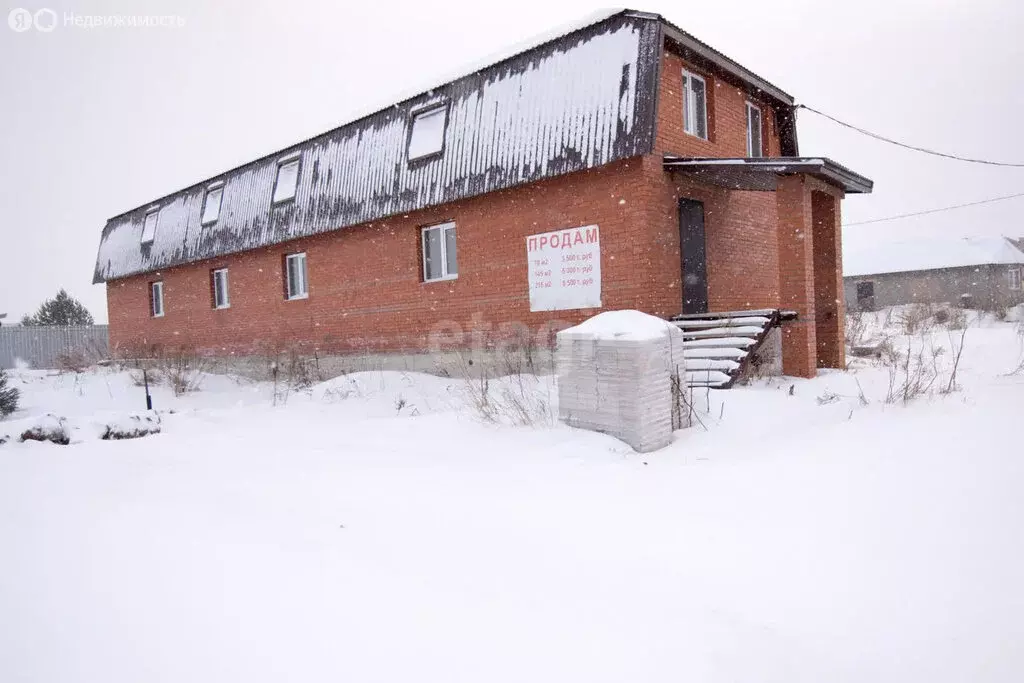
[[41, 347]]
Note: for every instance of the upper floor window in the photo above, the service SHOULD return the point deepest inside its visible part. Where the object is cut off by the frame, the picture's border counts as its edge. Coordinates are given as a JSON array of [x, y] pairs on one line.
[[1014, 278], [287, 180], [149, 225], [427, 136], [220, 288], [156, 299], [439, 258], [295, 284], [754, 146], [211, 207], [695, 105]]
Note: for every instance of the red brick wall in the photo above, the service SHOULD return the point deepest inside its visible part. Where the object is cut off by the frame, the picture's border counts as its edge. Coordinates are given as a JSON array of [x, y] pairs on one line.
[[741, 227], [365, 282], [727, 116]]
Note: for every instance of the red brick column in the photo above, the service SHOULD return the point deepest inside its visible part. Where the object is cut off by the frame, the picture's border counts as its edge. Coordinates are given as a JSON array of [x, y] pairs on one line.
[[828, 281], [796, 275]]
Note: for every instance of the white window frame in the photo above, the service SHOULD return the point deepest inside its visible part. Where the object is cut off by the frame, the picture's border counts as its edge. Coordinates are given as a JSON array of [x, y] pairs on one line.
[[418, 116], [287, 162], [444, 228], [223, 274], [219, 189], [690, 103], [156, 299], [750, 131], [303, 290], [149, 235], [1015, 278]]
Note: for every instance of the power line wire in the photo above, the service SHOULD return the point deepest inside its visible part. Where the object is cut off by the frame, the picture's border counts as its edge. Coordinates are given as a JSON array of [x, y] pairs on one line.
[[945, 208], [924, 150]]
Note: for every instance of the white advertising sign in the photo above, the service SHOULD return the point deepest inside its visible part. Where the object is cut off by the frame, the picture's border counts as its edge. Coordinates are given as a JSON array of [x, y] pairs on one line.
[[565, 269]]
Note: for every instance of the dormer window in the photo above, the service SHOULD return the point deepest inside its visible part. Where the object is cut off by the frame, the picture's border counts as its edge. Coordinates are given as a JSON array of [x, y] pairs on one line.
[[754, 146], [287, 179], [211, 207], [427, 136], [149, 225], [695, 105]]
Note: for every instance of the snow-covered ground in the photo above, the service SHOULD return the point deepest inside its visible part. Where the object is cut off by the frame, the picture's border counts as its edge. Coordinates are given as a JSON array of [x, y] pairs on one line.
[[375, 529]]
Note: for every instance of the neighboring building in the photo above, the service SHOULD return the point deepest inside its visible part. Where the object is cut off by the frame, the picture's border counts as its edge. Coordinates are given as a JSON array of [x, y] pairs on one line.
[[649, 157], [976, 272]]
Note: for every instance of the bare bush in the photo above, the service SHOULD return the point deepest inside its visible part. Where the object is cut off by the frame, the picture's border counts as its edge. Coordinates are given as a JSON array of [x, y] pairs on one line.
[[73, 361], [915, 318], [856, 328], [81, 358], [150, 376], [516, 398], [957, 346], [292, 371], [135, 427], [49, 428], [182, 370], [913, 372], [955, 319]]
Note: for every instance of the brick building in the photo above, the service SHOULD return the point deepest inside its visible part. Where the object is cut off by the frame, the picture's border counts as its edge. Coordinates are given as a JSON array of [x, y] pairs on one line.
[[621, 164]]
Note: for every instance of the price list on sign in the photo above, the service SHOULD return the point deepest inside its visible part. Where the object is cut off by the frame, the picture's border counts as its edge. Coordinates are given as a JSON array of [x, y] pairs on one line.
[[564, 269]]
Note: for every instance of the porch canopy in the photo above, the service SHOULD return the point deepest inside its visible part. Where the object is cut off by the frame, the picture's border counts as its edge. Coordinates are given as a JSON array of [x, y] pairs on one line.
[[762, 174]]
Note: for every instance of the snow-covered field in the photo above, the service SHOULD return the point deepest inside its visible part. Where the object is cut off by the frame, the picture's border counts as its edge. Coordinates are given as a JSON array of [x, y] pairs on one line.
[[375, 529]]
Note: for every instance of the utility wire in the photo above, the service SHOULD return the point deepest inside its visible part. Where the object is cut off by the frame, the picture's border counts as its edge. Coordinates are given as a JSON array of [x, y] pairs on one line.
[[924, 150], [945, 208]]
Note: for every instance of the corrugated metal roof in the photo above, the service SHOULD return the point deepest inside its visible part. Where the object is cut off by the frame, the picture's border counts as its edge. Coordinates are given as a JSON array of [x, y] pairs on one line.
[[583, 100], [581, 96]]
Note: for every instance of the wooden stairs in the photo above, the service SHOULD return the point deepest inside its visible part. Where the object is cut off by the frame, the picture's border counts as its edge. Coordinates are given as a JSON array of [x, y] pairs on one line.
[[719, 347]]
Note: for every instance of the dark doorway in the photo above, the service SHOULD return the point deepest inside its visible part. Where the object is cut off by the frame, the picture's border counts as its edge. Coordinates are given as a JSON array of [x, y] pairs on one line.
[[693, 249]]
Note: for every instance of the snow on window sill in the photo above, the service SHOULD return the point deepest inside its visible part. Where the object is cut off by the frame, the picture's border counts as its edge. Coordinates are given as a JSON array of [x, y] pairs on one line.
[[298, 297], [446, 278]]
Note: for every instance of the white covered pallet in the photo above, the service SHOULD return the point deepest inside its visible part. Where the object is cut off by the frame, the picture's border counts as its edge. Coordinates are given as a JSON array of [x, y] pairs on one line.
[[615, 375]]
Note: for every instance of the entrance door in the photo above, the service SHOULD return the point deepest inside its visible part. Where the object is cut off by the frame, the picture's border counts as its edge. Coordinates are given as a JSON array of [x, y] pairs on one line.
[[693, 250]]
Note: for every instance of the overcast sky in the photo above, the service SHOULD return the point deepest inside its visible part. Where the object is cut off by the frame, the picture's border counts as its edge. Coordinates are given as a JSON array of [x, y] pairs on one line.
[[97, 121]]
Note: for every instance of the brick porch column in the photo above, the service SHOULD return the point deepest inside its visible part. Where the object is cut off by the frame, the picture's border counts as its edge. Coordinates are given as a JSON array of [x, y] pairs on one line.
[[828, 280], [796, 275]]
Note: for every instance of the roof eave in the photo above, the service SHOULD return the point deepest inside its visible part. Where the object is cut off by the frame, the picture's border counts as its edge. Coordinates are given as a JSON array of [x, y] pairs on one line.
[[737, 70]]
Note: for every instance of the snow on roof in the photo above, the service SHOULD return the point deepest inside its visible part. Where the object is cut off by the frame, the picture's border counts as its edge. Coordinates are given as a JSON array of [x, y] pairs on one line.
[[927, 254]]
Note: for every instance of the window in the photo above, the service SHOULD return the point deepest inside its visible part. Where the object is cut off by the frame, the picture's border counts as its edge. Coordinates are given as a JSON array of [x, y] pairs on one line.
[[754, 148], [287, 180], [427, 136], [439, 260], [149, 225], [866, 295], [156, 299], [1014, 278], [211, 208], [296, 286], [220, 288], [695, 105]]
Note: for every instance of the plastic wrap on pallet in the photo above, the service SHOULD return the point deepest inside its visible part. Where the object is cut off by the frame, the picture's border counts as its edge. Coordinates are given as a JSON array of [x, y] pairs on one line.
[[619, 373]]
